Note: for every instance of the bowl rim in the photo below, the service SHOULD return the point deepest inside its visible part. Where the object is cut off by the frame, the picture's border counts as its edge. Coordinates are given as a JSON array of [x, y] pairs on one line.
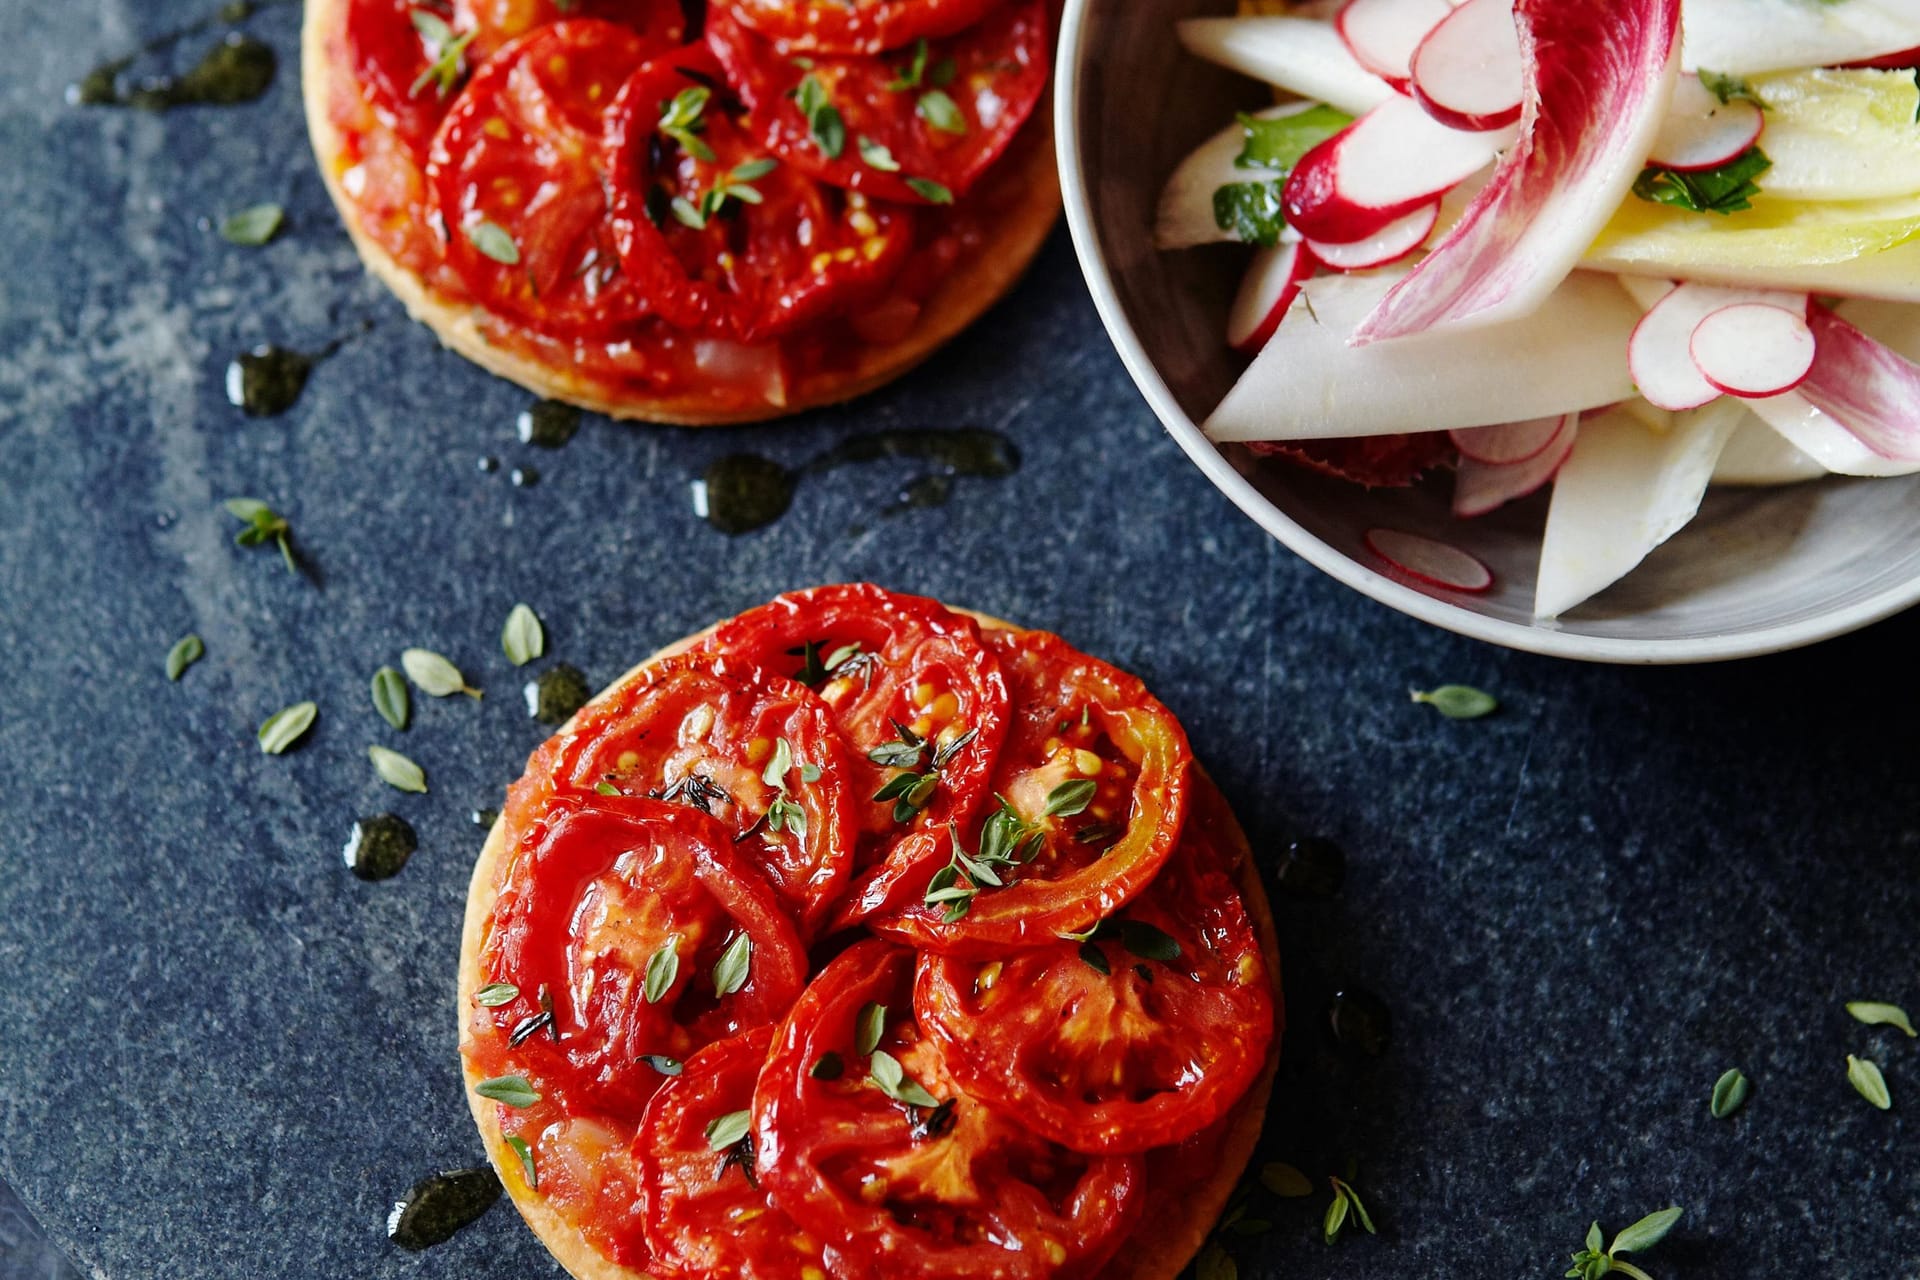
[[1075, 32]]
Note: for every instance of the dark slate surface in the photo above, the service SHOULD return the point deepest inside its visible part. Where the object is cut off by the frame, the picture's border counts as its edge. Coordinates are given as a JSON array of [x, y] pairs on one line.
[[223, 1056]]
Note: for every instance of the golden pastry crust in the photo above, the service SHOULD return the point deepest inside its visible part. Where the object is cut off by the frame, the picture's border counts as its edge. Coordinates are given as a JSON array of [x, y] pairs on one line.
[[975, 284], [1182, 1221]]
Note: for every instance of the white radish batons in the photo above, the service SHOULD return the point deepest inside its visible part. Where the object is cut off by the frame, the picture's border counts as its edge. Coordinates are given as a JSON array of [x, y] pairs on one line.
[[1742, 37], [1309, 383], [1299, 55], [1272, 281], [1468, 71], [1390, 244], [1660, 356], [1622, 492], [1428, 560], [1756, 454], [1480, 487], [1185, 214], [1382, 34], [1753, 349], [1702, 132]]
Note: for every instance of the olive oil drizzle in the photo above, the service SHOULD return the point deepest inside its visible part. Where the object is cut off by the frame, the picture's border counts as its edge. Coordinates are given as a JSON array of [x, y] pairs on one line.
[[745, 491], [237, 69], [439, 1206]]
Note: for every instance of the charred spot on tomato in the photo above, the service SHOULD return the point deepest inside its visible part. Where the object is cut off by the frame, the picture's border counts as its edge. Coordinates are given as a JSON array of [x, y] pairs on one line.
[[925, 1123]]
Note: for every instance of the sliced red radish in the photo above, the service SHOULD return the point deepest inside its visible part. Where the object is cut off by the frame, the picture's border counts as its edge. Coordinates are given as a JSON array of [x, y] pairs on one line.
[[1468, 72], [1379, 169], [1702, 132], [1382, 34], [1185, 216], [1598, 79], [1272, 282], [1299, 55], [1390, 244], [1658, 353], [1429, 560], [1869, 388], [1507, 442], [1754, 349], [1480, 487]]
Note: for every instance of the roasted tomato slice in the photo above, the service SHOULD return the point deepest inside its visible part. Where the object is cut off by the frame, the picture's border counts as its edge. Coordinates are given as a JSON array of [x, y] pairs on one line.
[[857, 26], [613, 922], [861, 1133], [1092, 784], [756, 751], [494, 22], [917, 125], [518, 176], [394, 60], [915, 692], [706, 1214], [1140, 1037], [723, 237]]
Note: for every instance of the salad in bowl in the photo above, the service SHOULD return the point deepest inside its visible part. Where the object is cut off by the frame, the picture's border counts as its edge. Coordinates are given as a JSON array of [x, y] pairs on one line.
[[1623, 248]]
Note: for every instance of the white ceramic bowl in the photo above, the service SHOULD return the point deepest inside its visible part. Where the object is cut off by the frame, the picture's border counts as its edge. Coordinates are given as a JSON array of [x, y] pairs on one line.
[[1759, 570]]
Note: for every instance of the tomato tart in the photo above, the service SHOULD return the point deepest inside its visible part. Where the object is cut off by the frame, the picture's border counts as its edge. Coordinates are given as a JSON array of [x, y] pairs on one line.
[[722, 211], [861, 937]]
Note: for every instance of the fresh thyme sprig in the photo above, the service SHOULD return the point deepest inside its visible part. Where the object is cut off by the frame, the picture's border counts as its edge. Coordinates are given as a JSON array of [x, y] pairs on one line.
[[264, 525], [1007, 841], [447, 53], [1591, 1263], [912, 790]]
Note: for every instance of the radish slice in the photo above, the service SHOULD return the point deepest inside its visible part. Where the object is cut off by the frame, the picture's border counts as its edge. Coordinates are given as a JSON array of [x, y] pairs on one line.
[[1480, 487], [1598, 79], [1185, 214], [1296, 54], [1308, 383], [1754, 349], [1468, 72], [1382, 34], [1379, 169], [1702, 132], [1742, 37], [1272, 282], [1507, 442], [1870, 389], [1756, 454], [1824, 438], [1390, 244], [1428, 560], [1622, 492], [1659, 355]]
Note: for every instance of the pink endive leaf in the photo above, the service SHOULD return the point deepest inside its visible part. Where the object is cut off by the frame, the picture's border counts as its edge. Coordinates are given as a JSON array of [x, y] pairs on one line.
[[1869, 388], [1599, 76]]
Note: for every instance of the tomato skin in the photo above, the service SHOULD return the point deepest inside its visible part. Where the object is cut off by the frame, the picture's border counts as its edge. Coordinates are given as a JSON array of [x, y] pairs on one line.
[[918, 645], [1069, 707], [706, 1218], [796, 253], [859, 26], [388, 58], [1146, 1055], [999, 72], [659, 22], [698, 716], [520, 151], [596, 888], [840, 1155]]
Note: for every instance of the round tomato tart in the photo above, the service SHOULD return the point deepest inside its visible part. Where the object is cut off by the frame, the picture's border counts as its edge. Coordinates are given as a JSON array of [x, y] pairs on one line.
[[716, 213], [859, 937]]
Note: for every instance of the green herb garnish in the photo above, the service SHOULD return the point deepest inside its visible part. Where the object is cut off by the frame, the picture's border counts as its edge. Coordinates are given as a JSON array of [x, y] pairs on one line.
[[1875, 1014], [1458, 701], [910, 76], [1250, 211], [726, 1130], [390, 698], [930, 191], [876, 156], [1591, 1263], [663, 1064], [492, 240], [511, 1091], [1727, 88], [1280, 142], [523, 638], [1729, 1093], [397, 771], [732, 185], [254, 225], [1346, 1201], [434, 675], [730, 971], [1285, 1181], [1864, 1074], [941, 111], [886, 1073], [186, 651], [663, 966], [264, 525], [521, 1149], [1070, 798], [495, 994], [1727, 189], [285, 727], [446, 53], [827, 1066], [1006, 841], [681, 120], [824, 123], [911, 790], [868, 1027]]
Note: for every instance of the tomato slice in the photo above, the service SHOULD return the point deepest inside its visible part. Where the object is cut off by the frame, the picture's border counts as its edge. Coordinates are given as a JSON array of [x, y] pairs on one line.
[[723, 237], [896, 670], [854, 26], [706, 732], [705, 1213], [1138, 1038], [519, 179], [1093, 784], [938, 114], [494, 22], [611, 900], [952, 1189]]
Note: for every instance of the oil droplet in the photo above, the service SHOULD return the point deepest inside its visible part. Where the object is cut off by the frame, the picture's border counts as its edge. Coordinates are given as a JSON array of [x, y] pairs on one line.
[[489, 465], [380, 846], [238, 69], [439, 1206], [1310, 867], [484, 817], [557, 694], [524, 477], [742, 492], [547, 423], [1360, 1021], [268, 380]]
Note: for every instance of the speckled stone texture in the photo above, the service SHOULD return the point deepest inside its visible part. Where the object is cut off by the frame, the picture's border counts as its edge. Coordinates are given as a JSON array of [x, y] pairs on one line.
[[224, 1056]]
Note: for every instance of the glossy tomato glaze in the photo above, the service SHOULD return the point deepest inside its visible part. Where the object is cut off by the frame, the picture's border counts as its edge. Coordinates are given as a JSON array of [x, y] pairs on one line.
[[379, 169], [586, 883]]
